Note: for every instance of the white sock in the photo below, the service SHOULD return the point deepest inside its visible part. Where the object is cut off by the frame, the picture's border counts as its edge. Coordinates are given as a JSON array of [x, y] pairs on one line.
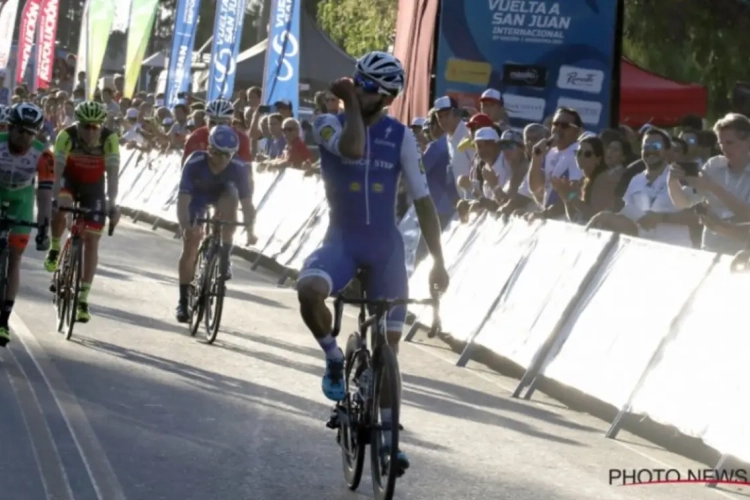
[[331, 348]]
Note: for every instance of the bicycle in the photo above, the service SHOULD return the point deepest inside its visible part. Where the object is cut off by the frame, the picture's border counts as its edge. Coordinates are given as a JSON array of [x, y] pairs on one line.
[[366, 372], [208, 286], [66, 280], [6, 224]]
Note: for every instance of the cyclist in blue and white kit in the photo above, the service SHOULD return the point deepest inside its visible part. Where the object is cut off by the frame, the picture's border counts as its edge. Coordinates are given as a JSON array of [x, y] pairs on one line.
[[363, 153], [211, 177]]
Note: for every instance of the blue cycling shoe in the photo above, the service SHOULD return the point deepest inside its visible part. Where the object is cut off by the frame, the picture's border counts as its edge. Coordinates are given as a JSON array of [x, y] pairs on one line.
[[333, 380], [402, 460]]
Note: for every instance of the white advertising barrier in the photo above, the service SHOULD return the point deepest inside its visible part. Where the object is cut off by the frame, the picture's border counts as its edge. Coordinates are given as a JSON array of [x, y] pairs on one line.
[[698, 380], [310, 241], [494, 258], [531, 308], [610, 337]]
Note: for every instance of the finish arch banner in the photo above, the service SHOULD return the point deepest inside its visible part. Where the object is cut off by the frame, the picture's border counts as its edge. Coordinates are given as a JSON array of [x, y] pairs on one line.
[[541, 54]]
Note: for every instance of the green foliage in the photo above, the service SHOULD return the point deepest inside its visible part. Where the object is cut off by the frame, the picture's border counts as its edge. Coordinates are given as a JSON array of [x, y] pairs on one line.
[[698, 41], [357, 26]]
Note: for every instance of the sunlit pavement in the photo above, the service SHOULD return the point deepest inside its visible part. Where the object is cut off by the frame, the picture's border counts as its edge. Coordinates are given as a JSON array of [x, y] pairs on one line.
[[134, 408]]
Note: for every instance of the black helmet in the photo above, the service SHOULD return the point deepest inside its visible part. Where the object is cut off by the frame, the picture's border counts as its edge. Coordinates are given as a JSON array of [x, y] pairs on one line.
[[26, 114]]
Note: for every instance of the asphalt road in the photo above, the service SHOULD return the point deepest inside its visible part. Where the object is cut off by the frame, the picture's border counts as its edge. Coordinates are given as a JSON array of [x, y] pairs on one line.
[[134, 408]]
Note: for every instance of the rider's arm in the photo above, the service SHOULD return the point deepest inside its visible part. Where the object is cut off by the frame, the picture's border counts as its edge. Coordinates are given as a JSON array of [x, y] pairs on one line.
[[63, 146], [45, 168], [416, 183], [341, 141], [112, 166], [185, 195]]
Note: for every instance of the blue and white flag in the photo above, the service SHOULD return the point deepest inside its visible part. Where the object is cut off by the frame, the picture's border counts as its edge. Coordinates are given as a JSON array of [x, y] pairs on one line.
[[226, 45], [181, 57], [281, 74]]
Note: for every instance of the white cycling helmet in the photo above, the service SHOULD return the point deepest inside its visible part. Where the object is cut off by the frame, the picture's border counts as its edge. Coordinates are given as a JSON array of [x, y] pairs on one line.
[[383, 69], [27, 115], [4, 114], [221, 109]]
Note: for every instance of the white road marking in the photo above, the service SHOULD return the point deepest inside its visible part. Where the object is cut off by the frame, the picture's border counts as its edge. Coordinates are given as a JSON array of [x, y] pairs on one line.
[[98, 467]]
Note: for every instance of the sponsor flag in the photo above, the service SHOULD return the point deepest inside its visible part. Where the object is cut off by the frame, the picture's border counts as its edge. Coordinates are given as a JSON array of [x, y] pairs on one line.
[[281, 74], [8, 11], [224, 49], [29, 19], [142, 18], [45, 44], [181, 57], [100, 16]]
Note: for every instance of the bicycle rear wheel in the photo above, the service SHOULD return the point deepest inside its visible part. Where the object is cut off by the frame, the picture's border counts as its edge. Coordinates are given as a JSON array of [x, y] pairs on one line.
[[73, 285], [4, 265], [351, 437], [214, 297], [197, 289], [384, 456]]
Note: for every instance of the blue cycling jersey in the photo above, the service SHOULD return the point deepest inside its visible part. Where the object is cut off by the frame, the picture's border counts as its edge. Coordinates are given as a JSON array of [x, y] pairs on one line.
[[362, 193], [202, 184]]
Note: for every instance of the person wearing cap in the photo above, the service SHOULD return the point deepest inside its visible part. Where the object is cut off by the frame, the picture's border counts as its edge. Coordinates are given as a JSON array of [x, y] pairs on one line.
[[492, 104], [559, 160], [449, 117], [284, 108], [178, 132], [132, 136], [417, 127], [436, 161]]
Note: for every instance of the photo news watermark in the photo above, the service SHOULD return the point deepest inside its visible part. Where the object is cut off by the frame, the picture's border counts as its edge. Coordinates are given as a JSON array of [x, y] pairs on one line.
[[652, 476]]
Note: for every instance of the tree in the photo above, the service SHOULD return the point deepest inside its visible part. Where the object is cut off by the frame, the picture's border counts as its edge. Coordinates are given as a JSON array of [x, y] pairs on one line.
[[357, 26]]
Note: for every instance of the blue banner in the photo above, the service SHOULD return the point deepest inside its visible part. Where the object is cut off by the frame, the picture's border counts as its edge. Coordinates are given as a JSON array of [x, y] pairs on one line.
[[541, 54], [181, 57], [225, 47], [281, 74]]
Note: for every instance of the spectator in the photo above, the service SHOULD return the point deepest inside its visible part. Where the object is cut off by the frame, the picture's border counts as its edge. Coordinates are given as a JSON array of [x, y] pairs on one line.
[[557, 162], [79, 95], [276, 143], [649, 211], [254, 95], [723, 184], [326, 102], [199, 118], [417, 128], [679, 150], [178, 132], [113, 109], [296, 154], [119, 82], [449, 118], [596, 193], [132, 136], [492, 104], [68, 115], [693, 153], [284, 108], [4, 91], [265, 137], [436, 161]]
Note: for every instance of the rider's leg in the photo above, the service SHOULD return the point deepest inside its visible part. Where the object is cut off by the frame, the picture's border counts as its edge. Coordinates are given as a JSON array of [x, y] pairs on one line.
[[18, 243], [226, 208], [191, 240], [57, 229], [326, 271], [94, 199], [91, 238]]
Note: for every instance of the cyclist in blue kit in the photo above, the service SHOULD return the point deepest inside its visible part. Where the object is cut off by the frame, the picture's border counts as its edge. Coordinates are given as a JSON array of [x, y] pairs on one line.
[[363, 153], [211, 177]]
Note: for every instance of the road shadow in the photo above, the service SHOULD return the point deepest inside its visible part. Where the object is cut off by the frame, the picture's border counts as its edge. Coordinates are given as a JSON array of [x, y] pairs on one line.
[[477, 398], [251, 297], [160, 277], [280, 344], [136, 319]]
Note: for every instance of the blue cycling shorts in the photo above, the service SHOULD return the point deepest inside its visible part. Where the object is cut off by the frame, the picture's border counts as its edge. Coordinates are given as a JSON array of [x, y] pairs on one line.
[[343, 252], [199, 203]]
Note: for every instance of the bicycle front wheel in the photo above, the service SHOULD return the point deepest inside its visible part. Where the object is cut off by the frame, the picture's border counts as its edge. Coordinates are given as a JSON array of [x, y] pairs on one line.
[[384, 452], [73, 285], [60, 287], [4, 263], [197, 290], [351, 438], [214, 298]]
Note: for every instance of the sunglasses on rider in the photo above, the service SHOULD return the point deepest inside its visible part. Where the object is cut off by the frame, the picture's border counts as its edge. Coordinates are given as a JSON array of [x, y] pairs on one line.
[[369, 86], [24, 130], [89, 126], [216, 152]]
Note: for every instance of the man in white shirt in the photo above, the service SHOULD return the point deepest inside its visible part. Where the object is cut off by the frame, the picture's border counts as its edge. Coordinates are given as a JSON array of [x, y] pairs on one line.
[[559, 161], [723, 184], [649, 211], [449, 118]]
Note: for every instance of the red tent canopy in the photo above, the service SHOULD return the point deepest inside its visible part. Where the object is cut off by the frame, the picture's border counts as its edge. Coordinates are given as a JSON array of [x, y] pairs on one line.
[[646, 97]]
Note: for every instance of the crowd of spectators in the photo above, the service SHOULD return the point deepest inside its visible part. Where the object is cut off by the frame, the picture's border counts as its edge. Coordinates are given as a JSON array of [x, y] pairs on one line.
[[687, 186]]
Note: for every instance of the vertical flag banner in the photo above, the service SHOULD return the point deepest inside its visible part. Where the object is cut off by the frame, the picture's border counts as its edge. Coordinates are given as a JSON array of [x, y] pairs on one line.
[[8, 11], [541, 55], [181, 57], [281, 74], [123, 9], [100, 16], [45, 44], [142, 18], [224, 49], [29, 19], [82, 56]]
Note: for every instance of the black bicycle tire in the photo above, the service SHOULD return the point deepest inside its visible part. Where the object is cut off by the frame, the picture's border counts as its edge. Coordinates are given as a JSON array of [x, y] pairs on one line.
[[76, 262], [352, 471], [59, 275], [213, 321], [196, 304], [4, 267], [385, 361]]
